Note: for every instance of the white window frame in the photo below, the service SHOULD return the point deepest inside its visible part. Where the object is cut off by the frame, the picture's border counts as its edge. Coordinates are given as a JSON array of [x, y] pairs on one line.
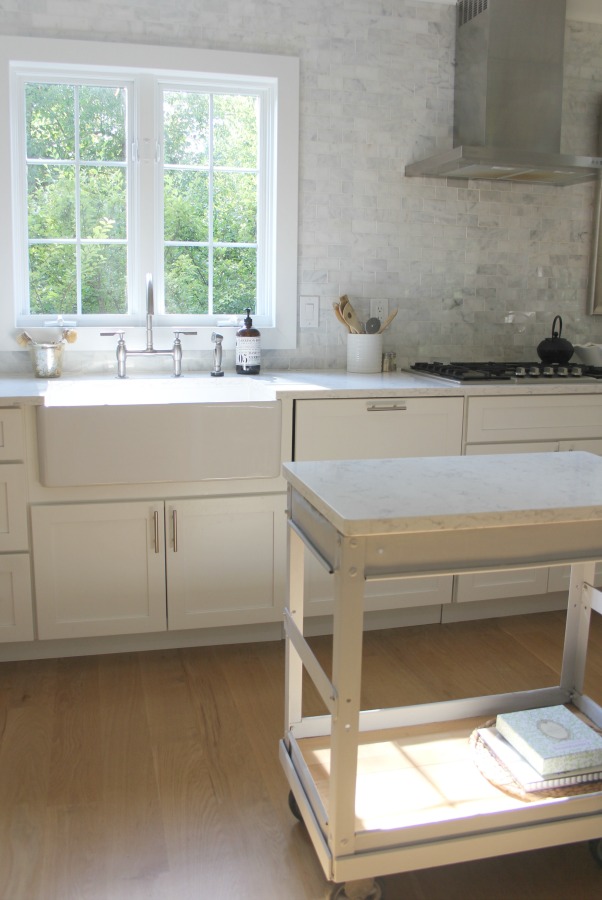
[[171, 66]]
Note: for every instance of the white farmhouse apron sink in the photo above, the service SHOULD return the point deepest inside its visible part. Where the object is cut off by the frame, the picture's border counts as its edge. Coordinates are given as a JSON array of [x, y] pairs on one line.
[[132, 431]]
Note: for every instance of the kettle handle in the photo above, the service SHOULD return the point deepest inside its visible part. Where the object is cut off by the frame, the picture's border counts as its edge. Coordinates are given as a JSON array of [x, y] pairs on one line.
[[557, 319]]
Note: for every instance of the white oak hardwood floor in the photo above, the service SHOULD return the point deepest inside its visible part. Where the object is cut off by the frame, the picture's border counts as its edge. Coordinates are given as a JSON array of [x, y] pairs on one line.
[[155, 776]]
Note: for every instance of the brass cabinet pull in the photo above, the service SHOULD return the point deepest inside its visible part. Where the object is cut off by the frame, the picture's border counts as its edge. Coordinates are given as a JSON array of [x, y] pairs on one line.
[[396, 405], [156, 520]]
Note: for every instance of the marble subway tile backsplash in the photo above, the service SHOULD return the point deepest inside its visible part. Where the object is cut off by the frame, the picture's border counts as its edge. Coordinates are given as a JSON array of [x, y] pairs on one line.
[[377, 93]]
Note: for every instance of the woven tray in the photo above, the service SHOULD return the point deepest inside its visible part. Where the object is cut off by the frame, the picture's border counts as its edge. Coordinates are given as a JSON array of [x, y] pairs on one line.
[[497, 774]]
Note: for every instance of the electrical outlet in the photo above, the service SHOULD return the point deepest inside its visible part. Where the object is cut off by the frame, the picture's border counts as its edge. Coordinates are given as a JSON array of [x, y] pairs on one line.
[[379, 309], [309, 312]]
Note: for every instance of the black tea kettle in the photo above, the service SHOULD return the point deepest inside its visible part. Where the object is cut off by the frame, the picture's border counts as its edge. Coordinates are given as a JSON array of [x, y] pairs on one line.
[[555, 349]]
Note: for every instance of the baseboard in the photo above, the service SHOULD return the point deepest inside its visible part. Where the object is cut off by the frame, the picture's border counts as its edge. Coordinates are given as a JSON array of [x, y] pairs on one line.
[[511, 606], [170, 640]]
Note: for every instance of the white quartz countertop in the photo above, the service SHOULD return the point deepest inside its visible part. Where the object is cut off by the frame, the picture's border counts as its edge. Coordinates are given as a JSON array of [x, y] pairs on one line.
[[393, 496], [200, 387]]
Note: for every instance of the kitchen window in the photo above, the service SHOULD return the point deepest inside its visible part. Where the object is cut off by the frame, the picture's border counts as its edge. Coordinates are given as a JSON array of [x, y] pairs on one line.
[[179, 163]]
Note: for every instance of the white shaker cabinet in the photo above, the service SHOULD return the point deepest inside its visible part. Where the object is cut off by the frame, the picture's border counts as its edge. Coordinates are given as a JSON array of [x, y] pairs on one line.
[[369, 429], [99, 568], [136, 566], [225, 560], [378, 428], [527, 424], [16, 615]]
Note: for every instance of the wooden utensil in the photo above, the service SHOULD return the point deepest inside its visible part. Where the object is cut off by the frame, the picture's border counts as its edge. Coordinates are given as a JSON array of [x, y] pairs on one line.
[[387, 321], [339, 315], [349, 314]]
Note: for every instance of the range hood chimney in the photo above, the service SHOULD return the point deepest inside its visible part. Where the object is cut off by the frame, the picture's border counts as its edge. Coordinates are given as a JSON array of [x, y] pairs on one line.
[[508, 97]]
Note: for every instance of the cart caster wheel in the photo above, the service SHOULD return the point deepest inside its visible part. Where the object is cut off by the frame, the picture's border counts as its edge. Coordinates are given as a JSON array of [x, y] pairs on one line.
[[596, 850], [365, 889], [292, 805]]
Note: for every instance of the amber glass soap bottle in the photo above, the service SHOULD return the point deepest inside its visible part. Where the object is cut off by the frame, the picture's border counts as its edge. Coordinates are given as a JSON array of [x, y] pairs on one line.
[[248, 348]]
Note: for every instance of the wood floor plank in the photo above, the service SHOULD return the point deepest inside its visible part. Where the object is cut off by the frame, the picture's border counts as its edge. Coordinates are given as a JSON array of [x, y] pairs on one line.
[[169, 705], [76, 753], [27, 692], [131, 805], [75, 856]]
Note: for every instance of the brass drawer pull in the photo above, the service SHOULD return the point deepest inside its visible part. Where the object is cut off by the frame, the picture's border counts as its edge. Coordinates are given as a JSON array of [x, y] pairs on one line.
[[156, 521], [396, 406]]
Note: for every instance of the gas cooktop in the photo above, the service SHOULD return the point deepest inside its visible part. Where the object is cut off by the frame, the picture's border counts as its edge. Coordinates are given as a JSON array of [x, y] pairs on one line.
[[461, 372]]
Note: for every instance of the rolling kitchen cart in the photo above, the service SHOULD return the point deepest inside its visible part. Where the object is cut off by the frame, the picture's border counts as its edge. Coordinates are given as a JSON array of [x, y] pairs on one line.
[[391, 790]]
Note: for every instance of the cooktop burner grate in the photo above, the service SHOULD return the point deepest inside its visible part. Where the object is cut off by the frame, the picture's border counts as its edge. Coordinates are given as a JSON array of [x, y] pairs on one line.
[[506, 371]]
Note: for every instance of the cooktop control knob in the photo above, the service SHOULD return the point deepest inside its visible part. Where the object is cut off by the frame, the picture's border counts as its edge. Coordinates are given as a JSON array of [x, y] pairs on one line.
[[520, 371], [534, 370]]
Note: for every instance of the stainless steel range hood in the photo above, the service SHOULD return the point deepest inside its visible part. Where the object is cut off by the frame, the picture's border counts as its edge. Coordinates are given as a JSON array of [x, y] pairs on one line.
[[508, 97]]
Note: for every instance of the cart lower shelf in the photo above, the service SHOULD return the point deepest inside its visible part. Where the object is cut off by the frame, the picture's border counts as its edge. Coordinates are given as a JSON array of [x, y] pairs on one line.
[[422, 801], [418, 776]]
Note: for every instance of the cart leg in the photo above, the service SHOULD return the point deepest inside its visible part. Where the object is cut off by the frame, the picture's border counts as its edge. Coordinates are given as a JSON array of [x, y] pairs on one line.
[[364, 889]]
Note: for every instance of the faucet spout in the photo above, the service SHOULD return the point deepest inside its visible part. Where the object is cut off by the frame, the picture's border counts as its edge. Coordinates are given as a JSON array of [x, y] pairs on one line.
[[123, 352]]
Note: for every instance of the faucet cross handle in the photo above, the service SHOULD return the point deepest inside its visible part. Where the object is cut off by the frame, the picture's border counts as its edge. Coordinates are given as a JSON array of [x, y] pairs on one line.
[[177, 352], [177, 334], [121, 350]]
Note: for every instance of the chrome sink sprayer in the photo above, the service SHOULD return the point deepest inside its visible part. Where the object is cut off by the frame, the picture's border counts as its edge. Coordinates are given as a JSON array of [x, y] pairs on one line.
[[217, 354], [123, 352]]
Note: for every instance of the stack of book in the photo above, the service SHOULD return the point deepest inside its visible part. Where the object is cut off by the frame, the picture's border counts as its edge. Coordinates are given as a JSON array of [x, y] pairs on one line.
[[545, 748]]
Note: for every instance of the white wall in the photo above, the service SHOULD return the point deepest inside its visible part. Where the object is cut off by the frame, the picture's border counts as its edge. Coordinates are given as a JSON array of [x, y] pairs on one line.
[[376, 93]]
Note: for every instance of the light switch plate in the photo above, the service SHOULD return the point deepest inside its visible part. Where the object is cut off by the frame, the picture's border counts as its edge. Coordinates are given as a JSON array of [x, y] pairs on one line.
[[309, 312]]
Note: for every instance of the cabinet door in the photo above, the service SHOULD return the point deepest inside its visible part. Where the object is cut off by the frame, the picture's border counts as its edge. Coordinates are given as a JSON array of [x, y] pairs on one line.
[[16, 615], [225, 560], [378, 428], [99, 568]]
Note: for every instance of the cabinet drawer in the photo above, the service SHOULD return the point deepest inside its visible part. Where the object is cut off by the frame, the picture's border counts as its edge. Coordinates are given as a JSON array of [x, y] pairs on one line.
[[13, 508], [533, 418], [16, 614], [378, 428], [11, 435]]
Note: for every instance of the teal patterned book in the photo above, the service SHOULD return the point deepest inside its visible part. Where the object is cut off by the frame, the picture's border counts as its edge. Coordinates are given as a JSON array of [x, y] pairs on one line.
[[552, 739], [524, 774]]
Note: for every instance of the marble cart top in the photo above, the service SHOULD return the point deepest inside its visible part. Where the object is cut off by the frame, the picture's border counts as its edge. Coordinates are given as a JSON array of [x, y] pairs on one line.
[[388, 496]]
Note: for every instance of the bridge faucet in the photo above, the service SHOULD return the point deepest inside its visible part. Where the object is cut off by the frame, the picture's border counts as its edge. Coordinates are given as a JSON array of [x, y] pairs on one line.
[[122, 351]]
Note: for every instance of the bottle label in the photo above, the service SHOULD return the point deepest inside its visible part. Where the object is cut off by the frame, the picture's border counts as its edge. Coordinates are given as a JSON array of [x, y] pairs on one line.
[[248, 352]]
